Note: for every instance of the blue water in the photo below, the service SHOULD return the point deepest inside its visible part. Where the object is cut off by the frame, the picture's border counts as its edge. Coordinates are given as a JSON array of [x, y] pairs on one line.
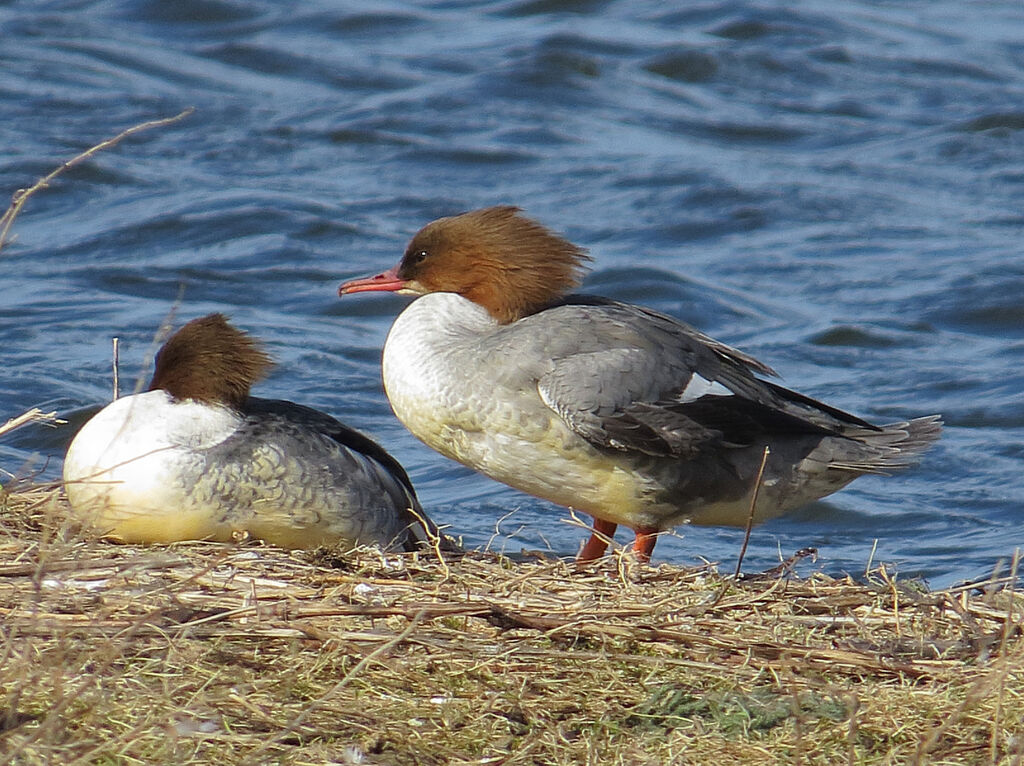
[[837, 188]]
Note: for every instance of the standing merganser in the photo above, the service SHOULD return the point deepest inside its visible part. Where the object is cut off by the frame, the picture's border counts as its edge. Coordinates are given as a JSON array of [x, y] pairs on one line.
[[616, 410], [195, 457]]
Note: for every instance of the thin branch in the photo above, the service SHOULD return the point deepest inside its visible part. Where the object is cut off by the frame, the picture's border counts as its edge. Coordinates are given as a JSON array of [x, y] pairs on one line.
[[753, 504], [115, 360], [21, 196]]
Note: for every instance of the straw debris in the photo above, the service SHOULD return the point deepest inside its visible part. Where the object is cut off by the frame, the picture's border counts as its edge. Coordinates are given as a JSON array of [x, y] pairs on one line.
[[208, 653]]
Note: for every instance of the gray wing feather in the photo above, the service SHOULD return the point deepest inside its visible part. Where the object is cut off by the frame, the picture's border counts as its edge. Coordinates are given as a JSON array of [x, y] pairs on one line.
[[608, 398], [618, 385]]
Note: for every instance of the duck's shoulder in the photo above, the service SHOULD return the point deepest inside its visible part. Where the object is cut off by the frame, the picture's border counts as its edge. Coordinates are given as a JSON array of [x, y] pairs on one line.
[[650, 329], [155, 416]]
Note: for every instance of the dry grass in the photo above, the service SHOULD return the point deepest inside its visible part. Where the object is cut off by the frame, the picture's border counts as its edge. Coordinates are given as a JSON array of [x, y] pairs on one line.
[[205, 653]]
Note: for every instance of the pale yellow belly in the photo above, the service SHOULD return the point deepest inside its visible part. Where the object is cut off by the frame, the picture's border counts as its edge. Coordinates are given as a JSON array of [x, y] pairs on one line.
[[537, 455], [114, 511]]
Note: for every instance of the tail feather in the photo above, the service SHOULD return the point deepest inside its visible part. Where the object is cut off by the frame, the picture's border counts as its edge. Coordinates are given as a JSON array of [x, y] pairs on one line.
[[891, 447]]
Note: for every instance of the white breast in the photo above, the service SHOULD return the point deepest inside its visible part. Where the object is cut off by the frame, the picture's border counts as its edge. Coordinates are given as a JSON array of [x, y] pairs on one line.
[[426, 372], [130, 458]]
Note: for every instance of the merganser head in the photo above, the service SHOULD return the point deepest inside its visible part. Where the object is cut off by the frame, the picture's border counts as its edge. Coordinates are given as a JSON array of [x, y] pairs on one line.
[[210, 361], [495, 257]]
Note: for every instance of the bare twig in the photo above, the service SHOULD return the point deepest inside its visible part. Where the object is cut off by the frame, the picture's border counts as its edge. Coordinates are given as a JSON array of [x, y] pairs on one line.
[[115, 361], [852, 731], [753, 505], [21, 196], [871, 558]]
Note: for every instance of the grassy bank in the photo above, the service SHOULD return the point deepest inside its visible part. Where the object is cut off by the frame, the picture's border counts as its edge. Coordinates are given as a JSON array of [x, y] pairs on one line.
[[206, 653]]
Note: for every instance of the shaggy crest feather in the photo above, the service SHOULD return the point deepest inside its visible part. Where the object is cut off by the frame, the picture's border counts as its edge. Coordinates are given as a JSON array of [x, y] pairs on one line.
[[210, 361], [495, 257]]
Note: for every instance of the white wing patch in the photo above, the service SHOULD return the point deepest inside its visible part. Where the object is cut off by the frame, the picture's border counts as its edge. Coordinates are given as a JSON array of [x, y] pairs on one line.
[[698, 387]]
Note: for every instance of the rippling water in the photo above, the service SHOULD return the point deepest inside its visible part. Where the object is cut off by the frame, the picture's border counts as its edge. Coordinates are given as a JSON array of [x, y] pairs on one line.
[[836, 188]]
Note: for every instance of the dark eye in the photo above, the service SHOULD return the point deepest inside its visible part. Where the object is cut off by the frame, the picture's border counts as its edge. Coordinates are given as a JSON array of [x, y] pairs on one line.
[[419, 257]]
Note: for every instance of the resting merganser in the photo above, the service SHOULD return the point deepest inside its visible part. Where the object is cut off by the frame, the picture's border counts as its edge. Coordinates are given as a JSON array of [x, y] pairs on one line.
[[615, 410], [195, 457]]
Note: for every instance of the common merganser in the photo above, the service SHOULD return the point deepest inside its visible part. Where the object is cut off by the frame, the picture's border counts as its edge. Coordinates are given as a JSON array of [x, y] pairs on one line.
[[196, 457], [615, 410]]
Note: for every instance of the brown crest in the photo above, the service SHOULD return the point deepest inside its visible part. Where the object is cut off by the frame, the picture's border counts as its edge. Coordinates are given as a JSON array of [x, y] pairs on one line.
[[495, 257], [211, 361]]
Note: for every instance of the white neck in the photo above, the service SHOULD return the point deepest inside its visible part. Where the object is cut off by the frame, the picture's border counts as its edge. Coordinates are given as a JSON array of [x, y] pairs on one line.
[[432, 327], [421, 364]]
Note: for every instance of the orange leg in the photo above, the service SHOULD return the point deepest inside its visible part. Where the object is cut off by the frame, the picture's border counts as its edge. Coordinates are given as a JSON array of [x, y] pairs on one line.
[[598, 542], [643, 545]]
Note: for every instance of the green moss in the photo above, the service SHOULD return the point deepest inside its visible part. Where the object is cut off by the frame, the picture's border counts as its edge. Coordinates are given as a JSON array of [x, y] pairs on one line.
[[734, 712]]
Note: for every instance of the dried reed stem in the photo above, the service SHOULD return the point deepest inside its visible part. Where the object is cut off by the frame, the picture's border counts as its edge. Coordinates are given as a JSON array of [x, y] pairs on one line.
[[20, 197], [34, 415], [753, 505], [115, 361], [1003, 638]]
